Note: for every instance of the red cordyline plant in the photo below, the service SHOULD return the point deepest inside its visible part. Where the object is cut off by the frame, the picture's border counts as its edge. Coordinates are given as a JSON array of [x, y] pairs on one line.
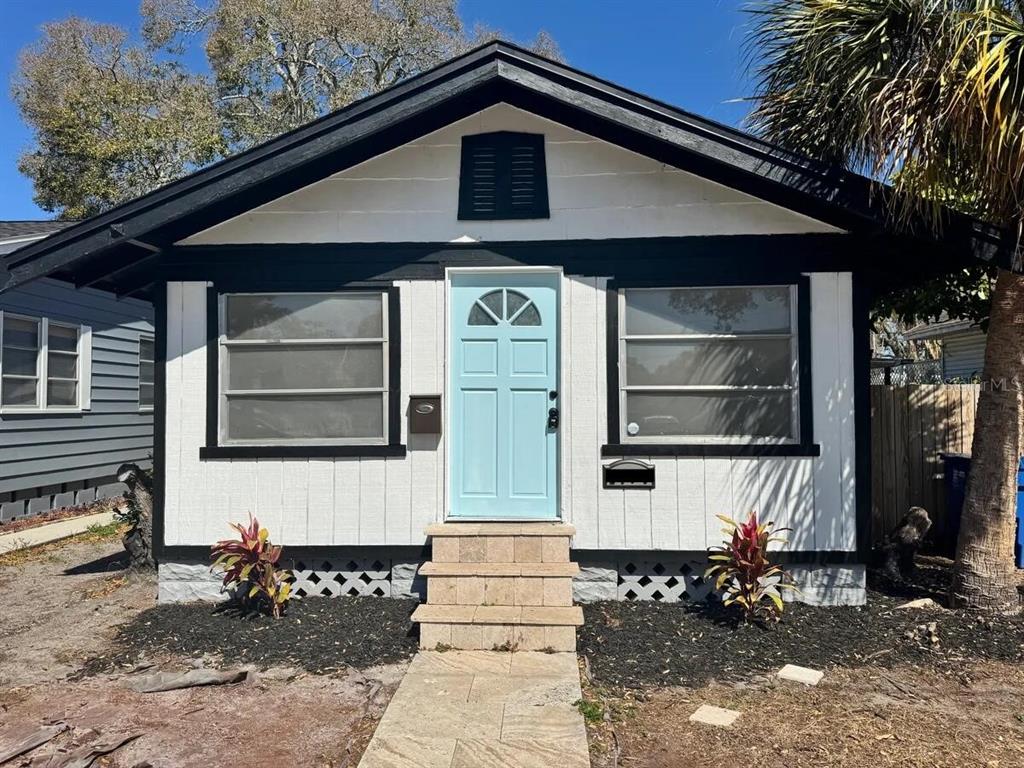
[[250, 568], [743, 573]]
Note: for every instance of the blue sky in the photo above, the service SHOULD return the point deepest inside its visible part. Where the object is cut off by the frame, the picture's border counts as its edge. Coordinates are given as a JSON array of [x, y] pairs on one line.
[[685, 52]]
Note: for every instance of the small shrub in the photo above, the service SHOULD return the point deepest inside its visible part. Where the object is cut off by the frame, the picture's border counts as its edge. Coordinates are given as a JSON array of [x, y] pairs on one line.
[[743, 573], [250, 568], [592, 711]]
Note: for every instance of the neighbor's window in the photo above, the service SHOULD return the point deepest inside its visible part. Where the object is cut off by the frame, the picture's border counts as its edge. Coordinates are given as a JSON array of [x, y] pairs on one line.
[[304, 368], [708, 364], [146, 372], [39, 364]]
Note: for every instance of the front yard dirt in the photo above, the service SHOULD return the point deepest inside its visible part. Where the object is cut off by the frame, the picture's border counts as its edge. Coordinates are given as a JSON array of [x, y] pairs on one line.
[[854, 718], [75, 630], [903, 686]]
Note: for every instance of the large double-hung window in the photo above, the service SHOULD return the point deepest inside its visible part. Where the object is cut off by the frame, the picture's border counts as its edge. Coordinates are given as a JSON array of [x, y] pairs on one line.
[[709, 364], [304, 368], [41, 364]]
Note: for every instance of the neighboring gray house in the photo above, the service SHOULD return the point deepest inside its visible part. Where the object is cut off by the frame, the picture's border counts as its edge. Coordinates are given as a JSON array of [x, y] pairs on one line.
[[72, 405], [963, 347]]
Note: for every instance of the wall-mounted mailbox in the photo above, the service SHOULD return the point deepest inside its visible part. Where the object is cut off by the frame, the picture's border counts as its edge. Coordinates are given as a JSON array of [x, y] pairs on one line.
[[424, 414], [628, 473]]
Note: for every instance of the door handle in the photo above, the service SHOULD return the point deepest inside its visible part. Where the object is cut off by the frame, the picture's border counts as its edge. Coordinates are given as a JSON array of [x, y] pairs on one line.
[[552, 418]]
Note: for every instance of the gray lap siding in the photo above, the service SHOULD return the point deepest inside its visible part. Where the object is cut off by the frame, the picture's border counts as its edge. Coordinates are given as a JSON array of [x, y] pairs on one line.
[[52, 458]]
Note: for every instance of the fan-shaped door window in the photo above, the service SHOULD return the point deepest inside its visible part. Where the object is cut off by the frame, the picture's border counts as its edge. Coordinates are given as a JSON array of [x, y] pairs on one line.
[[504, 306]]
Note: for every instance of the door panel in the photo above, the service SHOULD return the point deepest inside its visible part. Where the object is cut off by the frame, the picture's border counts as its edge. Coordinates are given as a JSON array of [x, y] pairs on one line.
[[503, 372]]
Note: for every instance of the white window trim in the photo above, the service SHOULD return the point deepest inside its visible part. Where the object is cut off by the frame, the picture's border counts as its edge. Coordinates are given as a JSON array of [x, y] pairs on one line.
[[152, 338], [732, 439], [223, 392], [83, 379]]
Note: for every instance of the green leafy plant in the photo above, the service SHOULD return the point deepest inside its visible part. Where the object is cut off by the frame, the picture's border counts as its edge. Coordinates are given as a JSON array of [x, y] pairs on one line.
[[743, 573], [250, 568]]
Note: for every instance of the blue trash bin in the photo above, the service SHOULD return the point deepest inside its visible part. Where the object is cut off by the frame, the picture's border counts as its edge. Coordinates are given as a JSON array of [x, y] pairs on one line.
[[1019, 549], [957, 467]]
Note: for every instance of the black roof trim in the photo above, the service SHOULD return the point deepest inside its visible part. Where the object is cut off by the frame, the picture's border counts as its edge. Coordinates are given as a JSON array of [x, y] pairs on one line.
[[493, 73]]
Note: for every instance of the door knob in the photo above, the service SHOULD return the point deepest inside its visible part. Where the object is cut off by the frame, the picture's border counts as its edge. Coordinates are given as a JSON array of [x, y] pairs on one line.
[[552, 418]]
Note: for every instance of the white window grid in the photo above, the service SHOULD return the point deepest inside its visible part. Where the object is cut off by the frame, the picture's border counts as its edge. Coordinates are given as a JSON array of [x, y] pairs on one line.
[[147, 337], [793, 388], [43, 325], [224, 345]]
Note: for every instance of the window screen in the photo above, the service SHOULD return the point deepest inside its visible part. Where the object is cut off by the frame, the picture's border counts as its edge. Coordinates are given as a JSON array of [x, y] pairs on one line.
[[709, 363], [304, 368], [39, 364]]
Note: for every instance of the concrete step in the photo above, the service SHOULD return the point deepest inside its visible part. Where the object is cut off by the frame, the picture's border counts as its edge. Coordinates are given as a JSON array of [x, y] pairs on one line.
[[526, 570]]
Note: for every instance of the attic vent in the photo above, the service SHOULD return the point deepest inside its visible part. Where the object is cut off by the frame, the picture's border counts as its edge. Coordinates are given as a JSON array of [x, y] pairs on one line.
[[503, 176]]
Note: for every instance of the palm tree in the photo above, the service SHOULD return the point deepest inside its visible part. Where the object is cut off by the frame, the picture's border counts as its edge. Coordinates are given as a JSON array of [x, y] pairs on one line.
[[927, 96]]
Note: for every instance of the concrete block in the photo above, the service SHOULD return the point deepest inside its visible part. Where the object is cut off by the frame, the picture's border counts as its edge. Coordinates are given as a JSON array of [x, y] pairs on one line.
[[595, 582], [11, 510], [709, 715], [829, 585], [66, 499], [38, 505], [110, 490], [188, 591], [803, 675], [85, 496]]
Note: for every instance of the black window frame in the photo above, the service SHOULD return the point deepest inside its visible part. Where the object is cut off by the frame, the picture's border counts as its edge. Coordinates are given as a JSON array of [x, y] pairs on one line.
[[216, 450], [804, 444], [502, 142]]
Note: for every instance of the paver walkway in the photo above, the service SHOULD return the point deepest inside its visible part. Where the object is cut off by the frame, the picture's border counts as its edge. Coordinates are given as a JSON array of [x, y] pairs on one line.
[[483, 709]]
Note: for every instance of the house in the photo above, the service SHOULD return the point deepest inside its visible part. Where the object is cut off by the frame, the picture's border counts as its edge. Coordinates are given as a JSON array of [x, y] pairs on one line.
[[76, 402], [501, 310], [963, 347]]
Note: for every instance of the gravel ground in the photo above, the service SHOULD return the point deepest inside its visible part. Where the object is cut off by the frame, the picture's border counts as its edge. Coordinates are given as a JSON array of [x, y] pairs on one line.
[[635, 644], [318, 635]]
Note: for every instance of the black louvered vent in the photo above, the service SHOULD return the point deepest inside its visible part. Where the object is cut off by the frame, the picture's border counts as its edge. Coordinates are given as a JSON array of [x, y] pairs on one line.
[[503, 176]]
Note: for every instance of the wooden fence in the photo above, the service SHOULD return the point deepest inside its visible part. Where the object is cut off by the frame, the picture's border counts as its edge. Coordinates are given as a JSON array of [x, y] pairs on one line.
[[911, 427]]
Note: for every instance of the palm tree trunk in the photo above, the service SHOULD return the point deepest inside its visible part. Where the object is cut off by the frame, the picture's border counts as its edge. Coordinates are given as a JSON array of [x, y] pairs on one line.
[[984, 577]]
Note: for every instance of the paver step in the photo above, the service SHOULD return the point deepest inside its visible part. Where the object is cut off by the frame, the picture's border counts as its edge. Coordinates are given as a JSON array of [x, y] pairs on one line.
[[525, 570], [497, 637], [556, 616], [500, 529], [500, 543], [500, 590]]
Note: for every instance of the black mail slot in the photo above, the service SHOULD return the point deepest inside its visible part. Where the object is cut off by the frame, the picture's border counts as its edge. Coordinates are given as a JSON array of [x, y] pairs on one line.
[[425, 414], [628, 473]]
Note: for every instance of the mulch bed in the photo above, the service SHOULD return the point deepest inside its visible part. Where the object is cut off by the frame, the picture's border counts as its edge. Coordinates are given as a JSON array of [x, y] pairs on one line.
[[319, 635], [635, 644]]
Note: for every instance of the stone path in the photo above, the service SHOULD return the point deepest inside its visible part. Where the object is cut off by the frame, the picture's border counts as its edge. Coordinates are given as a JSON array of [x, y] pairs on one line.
[[483, 709]]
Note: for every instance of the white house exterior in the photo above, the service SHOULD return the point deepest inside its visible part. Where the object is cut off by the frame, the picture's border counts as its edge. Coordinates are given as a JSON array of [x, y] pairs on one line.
[[572, 276]]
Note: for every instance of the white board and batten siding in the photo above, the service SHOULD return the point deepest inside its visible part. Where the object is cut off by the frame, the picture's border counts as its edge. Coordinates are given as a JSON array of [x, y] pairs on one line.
[[373, 501], [316, 501], [596, 191], [814, 496]]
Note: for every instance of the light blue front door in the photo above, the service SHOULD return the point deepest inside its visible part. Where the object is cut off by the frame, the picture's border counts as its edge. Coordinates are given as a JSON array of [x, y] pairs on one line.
[[504, 387]]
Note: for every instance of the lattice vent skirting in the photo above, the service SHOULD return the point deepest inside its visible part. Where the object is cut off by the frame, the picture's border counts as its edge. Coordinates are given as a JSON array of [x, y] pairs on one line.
[[663, 580], [344, 577]]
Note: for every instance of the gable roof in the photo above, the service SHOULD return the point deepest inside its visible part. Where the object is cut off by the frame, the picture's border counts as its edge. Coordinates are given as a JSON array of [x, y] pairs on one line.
[[117, 249]]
